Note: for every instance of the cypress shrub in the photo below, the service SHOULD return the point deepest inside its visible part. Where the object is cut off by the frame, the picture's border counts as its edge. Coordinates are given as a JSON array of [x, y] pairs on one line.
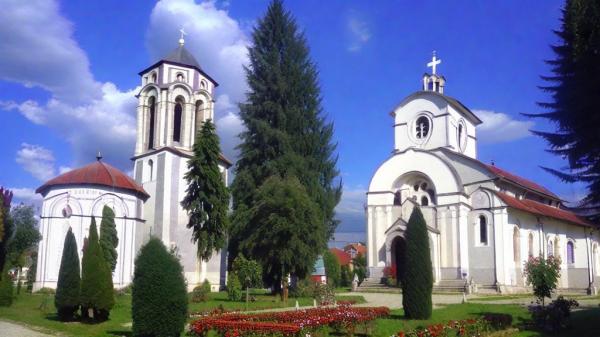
[[159, 295], [97, 294], [417, 283], [234, 287], [6, 289], [109, 239], [201, 292], [68, 287], [332, 269]]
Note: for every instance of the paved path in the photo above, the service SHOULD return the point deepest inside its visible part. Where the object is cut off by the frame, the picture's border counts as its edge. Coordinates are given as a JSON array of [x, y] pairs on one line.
[[8, 329]]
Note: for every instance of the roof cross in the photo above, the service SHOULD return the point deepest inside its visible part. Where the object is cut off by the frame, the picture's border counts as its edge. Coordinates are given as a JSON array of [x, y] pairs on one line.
[[183, 33], [434, 62]]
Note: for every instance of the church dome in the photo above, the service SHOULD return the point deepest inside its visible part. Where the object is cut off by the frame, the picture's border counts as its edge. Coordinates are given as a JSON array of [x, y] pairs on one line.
[[95, 174]]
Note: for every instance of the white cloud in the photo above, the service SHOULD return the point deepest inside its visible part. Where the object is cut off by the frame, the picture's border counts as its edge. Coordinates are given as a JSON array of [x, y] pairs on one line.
[[26, 196], [499, 127], [36, 160], [64, 169], [351, 209], [359, 32]]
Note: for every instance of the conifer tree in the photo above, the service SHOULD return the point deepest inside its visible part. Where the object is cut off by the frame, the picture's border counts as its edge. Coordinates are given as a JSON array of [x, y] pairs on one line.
[[207, 198], [573, 106], [159, 295], [68, 287], [417, 284], [286, 131], [97, 296], [6, 225], [109, 239], [332, 269]]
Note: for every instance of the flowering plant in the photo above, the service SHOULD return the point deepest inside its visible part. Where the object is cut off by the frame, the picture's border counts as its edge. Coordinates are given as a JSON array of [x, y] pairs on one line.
[[543, 275], [463, 328]]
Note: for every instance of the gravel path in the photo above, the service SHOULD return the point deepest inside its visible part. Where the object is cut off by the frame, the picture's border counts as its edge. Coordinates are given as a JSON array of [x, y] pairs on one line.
[[8, 329]]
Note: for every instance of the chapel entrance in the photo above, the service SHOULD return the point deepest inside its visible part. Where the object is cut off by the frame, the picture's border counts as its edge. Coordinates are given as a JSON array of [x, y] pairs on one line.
[[399, 256]]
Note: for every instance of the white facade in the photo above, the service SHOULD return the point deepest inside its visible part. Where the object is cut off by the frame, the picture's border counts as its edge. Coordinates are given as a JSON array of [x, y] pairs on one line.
[[480, 218]]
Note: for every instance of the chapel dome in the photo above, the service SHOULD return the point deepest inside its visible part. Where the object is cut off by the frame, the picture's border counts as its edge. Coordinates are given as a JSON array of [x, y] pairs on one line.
[[96, 174]]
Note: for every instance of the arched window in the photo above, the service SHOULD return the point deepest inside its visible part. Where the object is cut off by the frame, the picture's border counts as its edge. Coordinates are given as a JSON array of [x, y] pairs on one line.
[[150, 170], [483, 236], [180, 77], [153, 78], [199, 115], [530, 244], [397, 198], [516, 246], [570, 252], [422, 127], [550, 248], [152, 117], [177, 115], [424, 201]]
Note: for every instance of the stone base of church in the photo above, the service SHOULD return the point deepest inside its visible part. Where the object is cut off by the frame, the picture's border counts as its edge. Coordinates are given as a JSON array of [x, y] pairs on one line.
[[375, 272]]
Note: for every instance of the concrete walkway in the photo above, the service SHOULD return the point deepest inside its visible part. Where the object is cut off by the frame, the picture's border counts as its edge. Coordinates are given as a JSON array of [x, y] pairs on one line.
[[8, 329]]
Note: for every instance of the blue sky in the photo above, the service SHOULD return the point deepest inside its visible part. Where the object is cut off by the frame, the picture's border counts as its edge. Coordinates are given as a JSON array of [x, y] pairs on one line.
[[68, 74]]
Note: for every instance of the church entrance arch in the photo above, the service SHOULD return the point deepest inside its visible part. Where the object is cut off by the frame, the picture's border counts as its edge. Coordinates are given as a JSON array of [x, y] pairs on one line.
[[399, 256]]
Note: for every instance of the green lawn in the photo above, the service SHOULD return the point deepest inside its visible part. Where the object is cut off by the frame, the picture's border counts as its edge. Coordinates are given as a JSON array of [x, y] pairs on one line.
[[26, 309]]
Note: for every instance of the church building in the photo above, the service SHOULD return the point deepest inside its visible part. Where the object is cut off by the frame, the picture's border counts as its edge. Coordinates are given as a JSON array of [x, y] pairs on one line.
[[176, 97], [483, 222]]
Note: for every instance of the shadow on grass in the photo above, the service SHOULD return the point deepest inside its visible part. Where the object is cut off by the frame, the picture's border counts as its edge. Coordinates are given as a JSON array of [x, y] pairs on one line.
[[123, 333]]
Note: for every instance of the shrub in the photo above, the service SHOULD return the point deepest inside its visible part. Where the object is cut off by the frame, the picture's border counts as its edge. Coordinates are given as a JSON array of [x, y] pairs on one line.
[[109, 239], [543, 275], [6, 289], [360, 267], [390, 273], [97, 294], [345, 276], [159, 297], [46, 291], [303, 288], [249, 272], [68, 287], [200, 293], [417, 284], [31, 272], [332, 268], [323, 293], [554, 316], [234, 287]]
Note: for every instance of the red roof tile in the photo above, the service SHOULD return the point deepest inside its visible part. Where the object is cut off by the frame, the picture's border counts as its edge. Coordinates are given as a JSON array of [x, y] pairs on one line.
[[98, 174], [538, 208], [359, 248], [343, 258], [515, 179]]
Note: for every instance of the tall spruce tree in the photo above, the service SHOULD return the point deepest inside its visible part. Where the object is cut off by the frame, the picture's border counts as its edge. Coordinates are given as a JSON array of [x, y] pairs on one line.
[[207, 196], [6, 224], [109, 239], [68, 287], [574, 91], [417, 284], [286, 132], [97, 296]]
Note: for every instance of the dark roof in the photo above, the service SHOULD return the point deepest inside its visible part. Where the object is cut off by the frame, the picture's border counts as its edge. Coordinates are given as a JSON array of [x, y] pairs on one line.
[[538, 208], [182, 56], [456, 104], [95, 174]]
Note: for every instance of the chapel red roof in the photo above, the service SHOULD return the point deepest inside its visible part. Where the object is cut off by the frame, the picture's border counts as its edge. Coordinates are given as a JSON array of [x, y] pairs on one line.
[[96, 174], [343, 258], [538, 208], [515, 179]]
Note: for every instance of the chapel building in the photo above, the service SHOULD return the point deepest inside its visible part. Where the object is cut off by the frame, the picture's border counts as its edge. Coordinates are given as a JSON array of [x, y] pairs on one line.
[[483, 222], [176, 98]]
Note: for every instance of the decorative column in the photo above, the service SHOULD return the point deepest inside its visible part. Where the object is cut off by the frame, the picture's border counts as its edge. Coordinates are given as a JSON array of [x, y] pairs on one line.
[[463, 240]]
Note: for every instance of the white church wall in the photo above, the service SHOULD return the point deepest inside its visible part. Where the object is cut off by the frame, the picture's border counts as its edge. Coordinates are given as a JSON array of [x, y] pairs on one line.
[[481, 257]]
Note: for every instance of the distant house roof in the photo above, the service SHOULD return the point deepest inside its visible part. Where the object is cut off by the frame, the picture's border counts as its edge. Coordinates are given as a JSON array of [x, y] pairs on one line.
[[538, 208], [358, 247], [343, 258], [97, 173]]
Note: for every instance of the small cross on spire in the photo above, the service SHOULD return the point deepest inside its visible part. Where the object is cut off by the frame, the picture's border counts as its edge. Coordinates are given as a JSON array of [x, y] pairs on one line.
[[434, 62], [181, 40], [99, 156]]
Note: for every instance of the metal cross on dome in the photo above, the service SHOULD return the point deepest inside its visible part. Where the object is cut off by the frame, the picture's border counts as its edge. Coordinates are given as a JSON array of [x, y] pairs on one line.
[[183, 33], [434, 62]]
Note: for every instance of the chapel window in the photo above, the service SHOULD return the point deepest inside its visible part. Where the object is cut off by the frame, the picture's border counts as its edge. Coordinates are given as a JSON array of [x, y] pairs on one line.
[[422, 127], [424, 201], [530, 244], [150, 170], [397, 198], [199, 115], [550, 248], [153, 77], [203, 84], [483, 237], [516, 245], [177, 115], [180, 77], [152, 117], [67, 212], [570, 252]]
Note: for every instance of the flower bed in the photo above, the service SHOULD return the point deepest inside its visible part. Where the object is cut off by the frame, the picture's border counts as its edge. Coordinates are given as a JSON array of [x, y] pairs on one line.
[[287, 323], [464, 328]]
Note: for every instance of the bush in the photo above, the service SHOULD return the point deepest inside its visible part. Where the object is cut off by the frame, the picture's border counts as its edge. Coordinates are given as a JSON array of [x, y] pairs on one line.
[[323, 293], [345, 276], [200, 293], [123, 291], [68, 287], [31, 272], [249, 272], [303, 288], [554, 316], [6, 289], [417, 283], [543, 275], [97, 294], [159, 297], [234, 287], [390, 274], [332, 269], [46, 291], [360, 267]]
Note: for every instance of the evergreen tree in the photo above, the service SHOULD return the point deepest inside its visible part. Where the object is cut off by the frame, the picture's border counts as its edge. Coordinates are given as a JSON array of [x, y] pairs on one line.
[[286, 132], [6, 225], [159, 295], [24, 240], [573, 106], [97, 295], [6, 289], [417, 283], [109, 239], [207, 197], [287, 235], [32, 271], [332, 269], [68, 287]]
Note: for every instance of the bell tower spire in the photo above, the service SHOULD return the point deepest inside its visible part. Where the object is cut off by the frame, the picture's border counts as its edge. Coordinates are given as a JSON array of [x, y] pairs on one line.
[[433, 81]]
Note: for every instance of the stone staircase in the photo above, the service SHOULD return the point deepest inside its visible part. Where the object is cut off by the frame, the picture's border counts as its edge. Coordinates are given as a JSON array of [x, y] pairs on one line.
[[443, 286], [449, 286]]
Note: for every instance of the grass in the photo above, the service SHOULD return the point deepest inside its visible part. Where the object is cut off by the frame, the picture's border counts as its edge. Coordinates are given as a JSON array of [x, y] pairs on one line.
[[585, 323], [37, 311]]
